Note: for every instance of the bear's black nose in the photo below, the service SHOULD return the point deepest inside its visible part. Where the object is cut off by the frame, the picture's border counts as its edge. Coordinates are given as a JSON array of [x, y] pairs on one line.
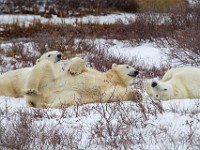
[[133, 73], [136, 73], [154, 84], [59, 56]]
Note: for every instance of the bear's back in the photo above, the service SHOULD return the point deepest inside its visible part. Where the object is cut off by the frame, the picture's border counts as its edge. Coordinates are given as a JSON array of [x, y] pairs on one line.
[[185, 71]]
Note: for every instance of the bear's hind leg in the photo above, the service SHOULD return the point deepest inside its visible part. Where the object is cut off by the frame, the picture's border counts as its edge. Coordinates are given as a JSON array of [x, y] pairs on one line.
[[31, 92], [66, 98], [76, 66], [122, 94]]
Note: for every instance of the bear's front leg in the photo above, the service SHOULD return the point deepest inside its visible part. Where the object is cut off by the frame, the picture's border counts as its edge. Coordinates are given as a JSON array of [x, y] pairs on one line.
[[41, 74], [35, 101]]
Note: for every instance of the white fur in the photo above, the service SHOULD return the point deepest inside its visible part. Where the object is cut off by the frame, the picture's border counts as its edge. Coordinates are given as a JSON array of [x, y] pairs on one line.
[[178, 83], [78, 85], [13, 82]]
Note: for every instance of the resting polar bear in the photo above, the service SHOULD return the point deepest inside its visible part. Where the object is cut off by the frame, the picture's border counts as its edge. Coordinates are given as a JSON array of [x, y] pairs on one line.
[[13, 82], [178, 83], [83, 86]]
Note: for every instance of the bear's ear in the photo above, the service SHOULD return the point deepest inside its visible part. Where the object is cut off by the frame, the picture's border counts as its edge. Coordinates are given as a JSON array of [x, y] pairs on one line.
[[37, 61], [114, 65]]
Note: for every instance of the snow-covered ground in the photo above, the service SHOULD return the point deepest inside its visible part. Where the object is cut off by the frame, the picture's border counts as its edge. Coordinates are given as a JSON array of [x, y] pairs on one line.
[[178, 120], [168, 129], [28, 19], [147, 52]]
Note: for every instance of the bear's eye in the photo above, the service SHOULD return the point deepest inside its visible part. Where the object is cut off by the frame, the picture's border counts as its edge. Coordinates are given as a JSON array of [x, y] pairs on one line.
[[127, 67], [49, 55], [165, 89]]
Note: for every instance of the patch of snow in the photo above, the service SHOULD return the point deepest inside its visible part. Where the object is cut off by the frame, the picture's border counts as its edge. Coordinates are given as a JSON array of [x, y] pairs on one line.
[[146, 51], [28, 19]]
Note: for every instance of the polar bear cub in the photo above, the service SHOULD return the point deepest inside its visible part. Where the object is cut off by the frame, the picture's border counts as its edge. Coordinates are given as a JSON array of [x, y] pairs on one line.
[[13, 82], [79, 85], [178, 83]]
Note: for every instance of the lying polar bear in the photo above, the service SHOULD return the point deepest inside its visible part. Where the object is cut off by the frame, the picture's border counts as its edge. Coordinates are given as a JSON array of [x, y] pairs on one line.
[[79, 85], [178, 83], [13, 82]]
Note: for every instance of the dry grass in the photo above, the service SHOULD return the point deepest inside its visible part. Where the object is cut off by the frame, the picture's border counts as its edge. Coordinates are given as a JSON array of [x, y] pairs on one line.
[[184, 48]]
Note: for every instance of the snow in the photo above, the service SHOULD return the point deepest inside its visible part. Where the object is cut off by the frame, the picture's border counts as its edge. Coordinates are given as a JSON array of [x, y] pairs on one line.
[[145, 51], [28, 19], [173, 123], [193, 2], [176, 118]]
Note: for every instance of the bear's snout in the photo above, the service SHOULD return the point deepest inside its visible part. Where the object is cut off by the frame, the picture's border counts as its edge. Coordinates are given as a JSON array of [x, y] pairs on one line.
[[154, 84], [134, 73], [59, 56]]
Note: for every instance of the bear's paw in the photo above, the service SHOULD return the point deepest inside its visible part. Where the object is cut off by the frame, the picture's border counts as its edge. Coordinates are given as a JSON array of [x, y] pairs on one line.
[[134, 95], [139, 96], [32, 92]]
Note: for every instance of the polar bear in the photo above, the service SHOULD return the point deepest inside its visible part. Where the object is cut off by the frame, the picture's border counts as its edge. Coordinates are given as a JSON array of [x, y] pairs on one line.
[[84, 85], [13, 82], [178, 83]]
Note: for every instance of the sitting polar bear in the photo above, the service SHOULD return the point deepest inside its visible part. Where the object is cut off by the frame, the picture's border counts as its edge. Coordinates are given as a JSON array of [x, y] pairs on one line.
[[79, 85], [178, 83], [13, 82]]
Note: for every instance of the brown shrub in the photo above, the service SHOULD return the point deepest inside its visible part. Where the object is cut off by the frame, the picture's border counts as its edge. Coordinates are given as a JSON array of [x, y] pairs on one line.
[[185, 50], [183, 43], [158, 5]]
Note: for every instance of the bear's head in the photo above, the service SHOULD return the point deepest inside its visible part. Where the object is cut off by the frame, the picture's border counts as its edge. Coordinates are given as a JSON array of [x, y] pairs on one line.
[[53, 56], [125, 73], [161, 90]]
